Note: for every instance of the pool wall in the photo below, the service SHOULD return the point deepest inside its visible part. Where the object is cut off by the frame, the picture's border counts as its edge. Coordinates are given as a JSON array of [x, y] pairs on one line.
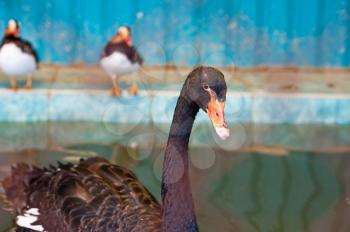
[[158, 106], [222, 32]]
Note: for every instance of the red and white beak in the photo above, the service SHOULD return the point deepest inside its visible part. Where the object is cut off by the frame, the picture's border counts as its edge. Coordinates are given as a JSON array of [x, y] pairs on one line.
[[12, 28], [216, 114], [125, 35]]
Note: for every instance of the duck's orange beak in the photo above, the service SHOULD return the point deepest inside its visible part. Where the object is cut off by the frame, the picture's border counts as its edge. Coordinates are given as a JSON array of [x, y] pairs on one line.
[[125, 35], [216, 113], [12, 28], [12, 31], [128, 41]]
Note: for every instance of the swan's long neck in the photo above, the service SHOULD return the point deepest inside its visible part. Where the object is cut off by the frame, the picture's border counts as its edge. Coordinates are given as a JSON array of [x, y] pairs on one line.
[[178, 209]]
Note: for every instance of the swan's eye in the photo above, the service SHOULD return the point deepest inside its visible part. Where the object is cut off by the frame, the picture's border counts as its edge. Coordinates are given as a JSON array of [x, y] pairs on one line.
[[205, 86]]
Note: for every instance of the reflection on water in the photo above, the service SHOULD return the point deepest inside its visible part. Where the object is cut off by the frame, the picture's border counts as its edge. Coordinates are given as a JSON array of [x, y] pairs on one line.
[[258, 188]]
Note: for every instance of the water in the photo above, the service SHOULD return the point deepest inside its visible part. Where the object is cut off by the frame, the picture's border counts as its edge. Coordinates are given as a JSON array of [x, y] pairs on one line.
[[267, 178]]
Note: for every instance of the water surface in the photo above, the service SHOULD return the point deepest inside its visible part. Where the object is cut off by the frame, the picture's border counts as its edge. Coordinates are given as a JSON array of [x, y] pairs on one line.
[[265, 179]]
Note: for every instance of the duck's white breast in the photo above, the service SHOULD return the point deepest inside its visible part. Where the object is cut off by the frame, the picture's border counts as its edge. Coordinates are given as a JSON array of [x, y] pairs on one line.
[[118, 64], [14, 62]]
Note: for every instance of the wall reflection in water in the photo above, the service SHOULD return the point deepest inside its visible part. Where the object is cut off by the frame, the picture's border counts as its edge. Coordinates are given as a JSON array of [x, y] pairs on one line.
[[272, 186]]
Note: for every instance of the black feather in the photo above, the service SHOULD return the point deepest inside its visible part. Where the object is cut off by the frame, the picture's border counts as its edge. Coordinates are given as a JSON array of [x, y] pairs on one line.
[[129, 51], [24, 45]]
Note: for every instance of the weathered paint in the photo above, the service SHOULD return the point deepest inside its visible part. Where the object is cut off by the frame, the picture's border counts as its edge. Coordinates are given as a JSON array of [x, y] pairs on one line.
[[221, 32]]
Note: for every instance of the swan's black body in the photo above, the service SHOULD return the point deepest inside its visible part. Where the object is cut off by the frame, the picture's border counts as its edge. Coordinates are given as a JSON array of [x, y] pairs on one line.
[[179, 215], [91, 196], [95, 195]]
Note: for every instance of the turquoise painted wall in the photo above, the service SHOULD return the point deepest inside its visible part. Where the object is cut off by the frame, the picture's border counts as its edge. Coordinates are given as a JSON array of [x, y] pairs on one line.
[[220, 32]]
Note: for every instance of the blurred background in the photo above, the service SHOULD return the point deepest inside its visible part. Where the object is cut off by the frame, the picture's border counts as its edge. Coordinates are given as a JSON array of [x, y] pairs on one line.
[[241, 33], [285, 166]]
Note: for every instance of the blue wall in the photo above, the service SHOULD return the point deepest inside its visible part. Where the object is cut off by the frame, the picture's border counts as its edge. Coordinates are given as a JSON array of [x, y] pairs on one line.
[[240, 32]]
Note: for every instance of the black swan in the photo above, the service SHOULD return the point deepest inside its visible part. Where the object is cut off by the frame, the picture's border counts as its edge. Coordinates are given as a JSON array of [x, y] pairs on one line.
[[120, 57], [95, 195], [18, 58]]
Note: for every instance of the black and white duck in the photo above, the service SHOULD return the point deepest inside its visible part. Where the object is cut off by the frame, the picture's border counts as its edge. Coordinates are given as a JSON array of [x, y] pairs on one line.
[[18, 58], [120, 57], [95, 195]]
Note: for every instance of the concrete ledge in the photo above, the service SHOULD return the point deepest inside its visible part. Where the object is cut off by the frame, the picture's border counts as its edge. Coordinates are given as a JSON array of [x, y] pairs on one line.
[[266, 138], [158, 106]]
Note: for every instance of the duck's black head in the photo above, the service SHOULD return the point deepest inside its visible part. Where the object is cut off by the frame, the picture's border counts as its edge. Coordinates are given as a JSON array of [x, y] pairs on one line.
[[12, 28], [206, 87]]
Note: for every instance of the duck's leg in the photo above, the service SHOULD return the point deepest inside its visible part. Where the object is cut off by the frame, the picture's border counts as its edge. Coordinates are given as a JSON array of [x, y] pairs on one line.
[[29, 82], [13, 84], [116, 90], [133, 90]]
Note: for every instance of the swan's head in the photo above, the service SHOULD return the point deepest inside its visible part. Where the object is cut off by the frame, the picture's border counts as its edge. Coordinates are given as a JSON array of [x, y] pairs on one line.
[[12, 28], [206, 86]]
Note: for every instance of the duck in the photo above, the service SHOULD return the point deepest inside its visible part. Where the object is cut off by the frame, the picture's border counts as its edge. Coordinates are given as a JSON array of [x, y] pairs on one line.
[[119, 57], [18, 58], [96, 195]]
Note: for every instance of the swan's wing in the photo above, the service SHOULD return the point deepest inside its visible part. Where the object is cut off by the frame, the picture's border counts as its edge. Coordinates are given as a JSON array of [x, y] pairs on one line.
[[92, 196]]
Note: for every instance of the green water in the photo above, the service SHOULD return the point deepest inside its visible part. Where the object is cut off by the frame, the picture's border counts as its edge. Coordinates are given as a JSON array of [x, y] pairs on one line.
[[265, 179]]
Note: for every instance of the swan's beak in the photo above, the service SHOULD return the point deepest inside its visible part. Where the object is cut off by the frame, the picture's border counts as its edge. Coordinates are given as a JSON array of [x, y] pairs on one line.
[[216, 114]]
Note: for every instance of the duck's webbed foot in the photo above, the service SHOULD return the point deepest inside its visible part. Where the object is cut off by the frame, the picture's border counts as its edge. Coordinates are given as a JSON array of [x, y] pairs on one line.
[[13, 83], [134, 89], [29, 82], [116, 90]]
